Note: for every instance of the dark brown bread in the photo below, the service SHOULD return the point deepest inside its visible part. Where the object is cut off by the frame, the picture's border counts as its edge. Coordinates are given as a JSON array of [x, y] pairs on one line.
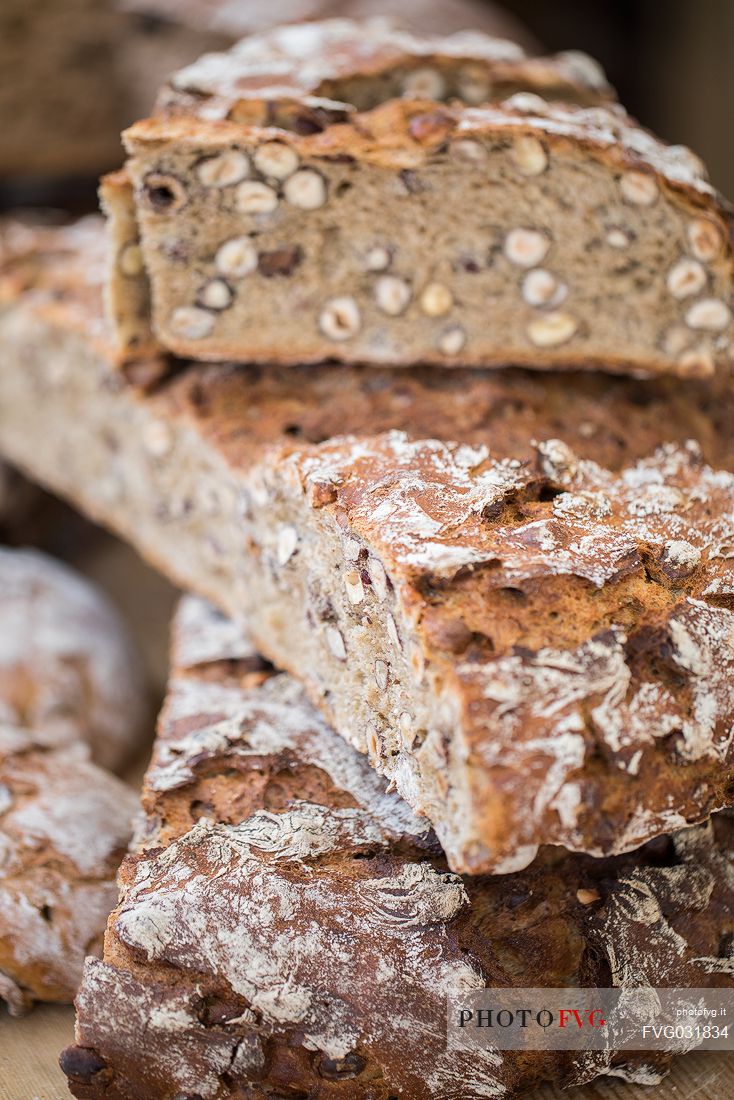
[[532, 639], [288, 929]]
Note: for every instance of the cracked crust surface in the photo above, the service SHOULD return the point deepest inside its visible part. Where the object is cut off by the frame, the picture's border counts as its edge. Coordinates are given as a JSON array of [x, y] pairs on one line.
[[424, 582], [298, 212], [64, 827], [214, 979]]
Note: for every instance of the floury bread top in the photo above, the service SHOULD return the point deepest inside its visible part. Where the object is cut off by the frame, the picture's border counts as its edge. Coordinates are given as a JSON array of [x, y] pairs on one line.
[[64, 827], [330, 192], [232, 19], [340, 67]]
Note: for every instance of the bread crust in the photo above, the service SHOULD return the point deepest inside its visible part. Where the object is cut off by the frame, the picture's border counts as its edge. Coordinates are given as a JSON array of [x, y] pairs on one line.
[[315, 63], [280, 933]]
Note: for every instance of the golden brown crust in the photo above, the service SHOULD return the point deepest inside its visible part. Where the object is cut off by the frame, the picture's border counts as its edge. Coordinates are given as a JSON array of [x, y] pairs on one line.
[[64, 827]]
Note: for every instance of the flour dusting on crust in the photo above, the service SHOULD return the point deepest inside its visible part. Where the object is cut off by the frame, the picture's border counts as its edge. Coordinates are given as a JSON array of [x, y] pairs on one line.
[[223, 722], [314, 63], [68, 670], [64, 826]]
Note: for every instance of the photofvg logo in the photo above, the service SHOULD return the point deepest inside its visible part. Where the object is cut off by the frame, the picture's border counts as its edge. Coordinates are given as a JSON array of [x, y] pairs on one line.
[[593, 1019]]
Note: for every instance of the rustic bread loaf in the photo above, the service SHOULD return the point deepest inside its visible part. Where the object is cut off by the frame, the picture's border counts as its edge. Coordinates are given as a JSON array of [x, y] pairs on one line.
[[286, 928], [68, 669], [420, 231], [64, 827], [532, 640]]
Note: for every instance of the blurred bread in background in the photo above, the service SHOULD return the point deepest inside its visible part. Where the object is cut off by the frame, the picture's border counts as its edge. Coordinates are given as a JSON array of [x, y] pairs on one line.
[[76, 72]]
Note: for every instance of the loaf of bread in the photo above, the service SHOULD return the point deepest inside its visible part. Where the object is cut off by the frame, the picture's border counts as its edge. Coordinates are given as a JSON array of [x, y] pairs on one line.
[[533, 641], [64, 827], [68, 669], [286, 928], [277, 225]]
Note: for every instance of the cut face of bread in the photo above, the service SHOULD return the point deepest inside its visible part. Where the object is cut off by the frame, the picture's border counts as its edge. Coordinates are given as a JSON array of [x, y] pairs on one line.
[[532, 640], [126, 285], [283, 918], [278, 226]]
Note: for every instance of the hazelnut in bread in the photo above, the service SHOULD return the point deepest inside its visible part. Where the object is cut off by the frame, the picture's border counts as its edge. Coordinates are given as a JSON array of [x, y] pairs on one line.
[[330, 192]]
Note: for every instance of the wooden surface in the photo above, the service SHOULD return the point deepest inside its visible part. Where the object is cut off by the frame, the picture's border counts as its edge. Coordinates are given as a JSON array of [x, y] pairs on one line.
[[29, 1049]]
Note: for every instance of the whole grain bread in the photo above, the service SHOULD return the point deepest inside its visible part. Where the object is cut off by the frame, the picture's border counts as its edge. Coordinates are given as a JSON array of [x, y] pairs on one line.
[[279, 226], [286, 928]]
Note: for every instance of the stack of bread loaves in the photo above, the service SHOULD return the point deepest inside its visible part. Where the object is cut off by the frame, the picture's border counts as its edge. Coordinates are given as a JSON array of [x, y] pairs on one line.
[[507, 591]]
